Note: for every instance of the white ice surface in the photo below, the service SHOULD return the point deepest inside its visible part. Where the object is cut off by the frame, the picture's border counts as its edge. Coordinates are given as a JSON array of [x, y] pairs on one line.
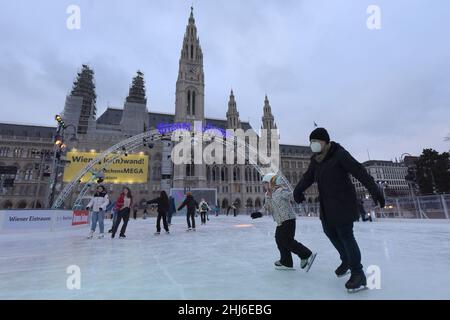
[[222, 261]]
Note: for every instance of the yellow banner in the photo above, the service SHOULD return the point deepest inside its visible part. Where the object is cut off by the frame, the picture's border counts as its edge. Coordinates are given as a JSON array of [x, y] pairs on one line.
[[123, 170]]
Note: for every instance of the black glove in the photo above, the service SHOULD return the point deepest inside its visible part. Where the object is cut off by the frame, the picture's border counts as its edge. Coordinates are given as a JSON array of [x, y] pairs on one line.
[[378, 198], [299, 198], [100, 209], [87, 208], [256, 215]]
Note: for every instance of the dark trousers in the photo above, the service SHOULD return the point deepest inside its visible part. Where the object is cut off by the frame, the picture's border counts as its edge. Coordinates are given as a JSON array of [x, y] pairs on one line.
[[345, 243], [125, 215], [203, 216], [162, 215], [190, 217], [284, 237], [169, 217]]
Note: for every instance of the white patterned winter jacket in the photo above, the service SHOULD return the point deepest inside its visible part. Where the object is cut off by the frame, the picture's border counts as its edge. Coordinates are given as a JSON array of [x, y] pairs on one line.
[[279, 205]]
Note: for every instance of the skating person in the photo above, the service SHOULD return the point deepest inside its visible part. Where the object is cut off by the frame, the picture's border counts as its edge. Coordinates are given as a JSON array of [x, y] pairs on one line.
[[330, 167], [172, 210], [204, 208], [191, 204], [278, 203], [135, 211], [145, 214], [98, 204], [163, 207], [362, 211], [123, 206]]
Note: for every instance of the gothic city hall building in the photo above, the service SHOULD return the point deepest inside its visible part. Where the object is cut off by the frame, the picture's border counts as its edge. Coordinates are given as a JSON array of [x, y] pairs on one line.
[[29, 148]]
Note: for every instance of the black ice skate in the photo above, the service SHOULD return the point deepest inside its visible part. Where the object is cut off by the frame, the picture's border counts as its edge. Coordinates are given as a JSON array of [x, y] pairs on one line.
[[280, 266], [122, 236], [356, 283], [157, 233], [307, 263], [342, 270]]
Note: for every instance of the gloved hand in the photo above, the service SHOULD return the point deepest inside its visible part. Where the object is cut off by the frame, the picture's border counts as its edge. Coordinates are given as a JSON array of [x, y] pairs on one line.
[[378, 198], [299, 198], [87, 208], [100, 209], [256, 215]]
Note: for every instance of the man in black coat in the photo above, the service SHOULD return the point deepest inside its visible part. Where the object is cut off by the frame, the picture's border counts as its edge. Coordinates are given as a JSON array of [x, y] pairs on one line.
[[331, 166]]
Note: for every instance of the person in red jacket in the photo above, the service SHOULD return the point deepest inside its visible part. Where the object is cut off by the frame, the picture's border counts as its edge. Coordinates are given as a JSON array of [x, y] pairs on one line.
[[123, 206]]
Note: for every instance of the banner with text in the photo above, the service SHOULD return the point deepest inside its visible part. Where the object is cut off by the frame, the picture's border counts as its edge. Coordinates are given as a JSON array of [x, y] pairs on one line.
[[124, 170]]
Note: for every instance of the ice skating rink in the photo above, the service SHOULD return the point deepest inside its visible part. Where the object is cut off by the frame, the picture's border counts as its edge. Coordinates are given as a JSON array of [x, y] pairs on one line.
[[229, 258]]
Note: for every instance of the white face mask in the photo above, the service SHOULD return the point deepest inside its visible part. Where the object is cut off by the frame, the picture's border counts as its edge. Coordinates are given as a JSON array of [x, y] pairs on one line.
[[316, 147]]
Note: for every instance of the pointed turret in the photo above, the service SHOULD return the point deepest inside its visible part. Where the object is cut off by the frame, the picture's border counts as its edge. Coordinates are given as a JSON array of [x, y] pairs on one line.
[[80, 109], [232, 113], [137, 89]]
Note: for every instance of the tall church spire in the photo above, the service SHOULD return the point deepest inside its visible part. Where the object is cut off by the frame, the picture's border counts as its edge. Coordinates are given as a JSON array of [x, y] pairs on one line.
[[232, 113], [190, 88]]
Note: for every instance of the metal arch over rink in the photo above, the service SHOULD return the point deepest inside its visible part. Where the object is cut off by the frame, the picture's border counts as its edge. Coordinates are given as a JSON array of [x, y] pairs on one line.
[[131, 144]]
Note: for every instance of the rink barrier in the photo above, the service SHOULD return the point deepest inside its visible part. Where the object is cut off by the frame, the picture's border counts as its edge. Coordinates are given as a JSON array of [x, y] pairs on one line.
[[18, 221]]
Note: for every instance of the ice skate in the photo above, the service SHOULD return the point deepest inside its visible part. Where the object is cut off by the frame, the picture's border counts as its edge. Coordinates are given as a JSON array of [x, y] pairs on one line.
[[280, 266], [157, 233], [307, 263], [101, 236], [91, 235], [189, 229], [167, 232], [122, 236], [342, 270], [357, 282], [193, 229]]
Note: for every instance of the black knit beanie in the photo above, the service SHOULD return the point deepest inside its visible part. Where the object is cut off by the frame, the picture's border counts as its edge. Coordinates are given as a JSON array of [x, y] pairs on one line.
[[320, 134]]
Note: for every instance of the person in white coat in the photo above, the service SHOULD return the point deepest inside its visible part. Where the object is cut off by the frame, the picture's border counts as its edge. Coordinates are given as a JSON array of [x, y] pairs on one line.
[[98, 205]]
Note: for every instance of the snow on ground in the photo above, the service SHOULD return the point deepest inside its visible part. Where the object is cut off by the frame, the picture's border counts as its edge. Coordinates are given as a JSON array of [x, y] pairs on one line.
[[229, 258]]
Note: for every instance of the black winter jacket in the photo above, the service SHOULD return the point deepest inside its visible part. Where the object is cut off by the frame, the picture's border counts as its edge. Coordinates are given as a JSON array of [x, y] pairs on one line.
[[337, 195], [190, 203], [163, 206]]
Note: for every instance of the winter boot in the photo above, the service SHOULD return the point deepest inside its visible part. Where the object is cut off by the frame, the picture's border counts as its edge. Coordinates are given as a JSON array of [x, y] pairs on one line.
[[342, 270], [280, 266], [307, 263], [91, 235], [356, 283]]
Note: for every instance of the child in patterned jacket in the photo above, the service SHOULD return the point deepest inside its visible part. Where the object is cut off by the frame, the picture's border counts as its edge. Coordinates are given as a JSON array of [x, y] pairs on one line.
[[278, 202]]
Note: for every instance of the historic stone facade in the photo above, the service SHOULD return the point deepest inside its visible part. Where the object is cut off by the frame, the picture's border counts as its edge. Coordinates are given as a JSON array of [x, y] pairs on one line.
[[238, 184]]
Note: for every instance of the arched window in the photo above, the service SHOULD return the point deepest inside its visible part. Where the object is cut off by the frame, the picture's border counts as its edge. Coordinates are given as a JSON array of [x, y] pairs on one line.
[[257, 203], [208, 173], [236, 174], [249, 203], [193, 103], [223, 176], [189, 102]]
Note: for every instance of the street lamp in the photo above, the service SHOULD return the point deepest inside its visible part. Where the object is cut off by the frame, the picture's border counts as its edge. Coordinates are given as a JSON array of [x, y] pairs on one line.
[[58, 150]]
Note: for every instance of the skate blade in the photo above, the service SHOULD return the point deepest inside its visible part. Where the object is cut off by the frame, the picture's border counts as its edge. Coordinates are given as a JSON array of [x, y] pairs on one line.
[[310, 262], [343, 275], [362, 288], [283, 268]]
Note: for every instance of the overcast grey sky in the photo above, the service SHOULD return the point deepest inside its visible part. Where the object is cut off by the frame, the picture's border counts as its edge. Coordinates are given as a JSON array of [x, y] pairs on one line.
[[386, 91]]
